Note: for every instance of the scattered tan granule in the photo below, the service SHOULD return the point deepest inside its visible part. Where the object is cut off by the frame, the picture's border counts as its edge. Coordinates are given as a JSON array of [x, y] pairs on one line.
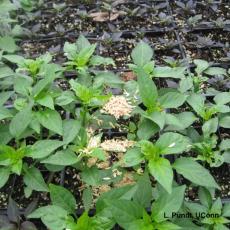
[[91, 161], [115, 145], [126, 180], [117, 106], [97, 191]]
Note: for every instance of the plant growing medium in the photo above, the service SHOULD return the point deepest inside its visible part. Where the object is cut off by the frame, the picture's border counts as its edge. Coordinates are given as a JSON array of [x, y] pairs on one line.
[[130, 151]]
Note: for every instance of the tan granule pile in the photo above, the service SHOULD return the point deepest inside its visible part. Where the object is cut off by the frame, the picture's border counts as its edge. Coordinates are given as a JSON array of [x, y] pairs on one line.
[[115, 145], [117, 106]]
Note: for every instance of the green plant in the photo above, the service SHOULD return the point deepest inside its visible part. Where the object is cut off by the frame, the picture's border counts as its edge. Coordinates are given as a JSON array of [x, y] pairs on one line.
[[212, 214], [80, 56]]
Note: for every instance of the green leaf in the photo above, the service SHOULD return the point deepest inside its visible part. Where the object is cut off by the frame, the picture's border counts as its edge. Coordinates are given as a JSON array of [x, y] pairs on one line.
[[172, 100], [180, 121], [92, 176], [168, 72], [225, 144], [201, 65], [34, 180], [205, 197], [210, 126], [54, 217], [143, 194], [157, 117], [20, 122], [51, 120], [45, 100], [99, 60], [147, 129], [65, 157], [166, 225], [125, 212], [147, 88], [170, 143], [81, 43], [4, 175], [196, 101], [8, 44], [43, 148], [84, 55], [226, 210], [133, 157], [70, 130], [194, 172], [216, 71], [87, 198], [167, 203], [162, 171], [62, 198], [225, 121], [5, 113], [222, 98], [4, 96], [142, 54]]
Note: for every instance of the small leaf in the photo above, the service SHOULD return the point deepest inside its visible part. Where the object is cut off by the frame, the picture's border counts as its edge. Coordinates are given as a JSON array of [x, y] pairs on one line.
[[142, 54], [4, 175], [172, 100], [87, 198], [8, 44]]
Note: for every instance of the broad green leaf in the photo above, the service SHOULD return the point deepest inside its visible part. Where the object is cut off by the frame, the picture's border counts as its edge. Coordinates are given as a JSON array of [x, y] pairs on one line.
[[65, 157], [87, 198], [162, 171], [168, 72], [51, 120], [81, 43], [8, 44], [125, 212], [222, 98], [4, 96], [14, 58], [147, 129], [205, 197], [99, 60], [54, 217], [20, 122], [225, 144], [142, 54], [5, 113], [4, 175], [147, 88], [201, 65], [172, 100], [70, 130], [180, 121], [225, 121], [185, 84], [194, 172], [84, 55], [34, 180], [170, 143], [216, 71], [143, 194], [226, 210], [166, 225], [92, 176], [6, 71], [210, 126], [63, 198], [45, 100], [133, 157], [157, 117], [167, 203], [4, 134], [44, 148], [196, 101]]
